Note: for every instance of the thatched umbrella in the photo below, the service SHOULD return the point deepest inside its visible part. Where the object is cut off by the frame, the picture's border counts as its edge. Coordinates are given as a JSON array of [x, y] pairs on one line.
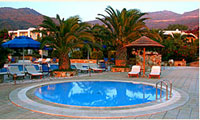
[[144, 42]]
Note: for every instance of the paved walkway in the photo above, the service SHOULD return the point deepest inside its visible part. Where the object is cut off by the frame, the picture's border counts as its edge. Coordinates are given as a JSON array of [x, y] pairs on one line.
[[184, 78]]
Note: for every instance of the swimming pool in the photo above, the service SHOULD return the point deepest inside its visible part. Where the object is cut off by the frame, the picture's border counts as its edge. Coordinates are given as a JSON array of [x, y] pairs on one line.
[[98, 93]]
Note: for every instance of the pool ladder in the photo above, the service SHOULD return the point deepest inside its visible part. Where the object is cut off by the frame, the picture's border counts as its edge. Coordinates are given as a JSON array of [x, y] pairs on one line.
[[166, 82]]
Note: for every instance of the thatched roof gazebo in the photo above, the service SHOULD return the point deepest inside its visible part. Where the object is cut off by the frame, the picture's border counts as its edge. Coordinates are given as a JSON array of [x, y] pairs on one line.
[[144, 42]]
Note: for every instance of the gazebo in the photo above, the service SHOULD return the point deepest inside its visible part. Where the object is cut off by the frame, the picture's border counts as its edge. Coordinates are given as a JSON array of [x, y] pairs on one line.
[[143, 42]]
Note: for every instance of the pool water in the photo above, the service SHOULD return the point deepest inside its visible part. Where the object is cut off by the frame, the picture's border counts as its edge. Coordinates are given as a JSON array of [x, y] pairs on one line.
[[98, 93]]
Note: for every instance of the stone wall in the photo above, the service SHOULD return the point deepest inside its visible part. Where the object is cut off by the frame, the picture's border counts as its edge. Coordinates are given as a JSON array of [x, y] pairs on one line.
[[151, 59]]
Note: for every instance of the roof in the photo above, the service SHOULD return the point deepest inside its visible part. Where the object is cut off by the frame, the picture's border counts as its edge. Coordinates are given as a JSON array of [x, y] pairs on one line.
[[144, 42]]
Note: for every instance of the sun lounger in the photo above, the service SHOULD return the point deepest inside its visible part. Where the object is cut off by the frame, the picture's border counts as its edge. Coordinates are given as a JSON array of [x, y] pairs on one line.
[[95, 67], [54, 60], [48, 60], [39, 60], [134, 71], [14, 70], [3, 71], [54, 67], [81, 67], [155, 72], [24, 61], [13, 60], [33, 72], [46, 69], [37, 67], [72, 66], [33, 59]]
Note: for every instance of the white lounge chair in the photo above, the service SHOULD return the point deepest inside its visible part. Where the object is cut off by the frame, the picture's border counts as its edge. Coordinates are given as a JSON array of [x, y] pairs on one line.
[[47, 60], [33, 72], [14, 70], [155, 72], [134, 71], [81, 67], [95, 67], [39, 60], [24, 61]]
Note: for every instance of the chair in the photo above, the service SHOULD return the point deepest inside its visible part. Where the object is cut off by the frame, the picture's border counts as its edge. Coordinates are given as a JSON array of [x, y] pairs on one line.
[[37, 67], [48, 60], [39, 60], [33, 72], [72, 66], [102, 65], [20, 67], [13, 60], [54, 67], [14, 70], [134, 71], [33, 59], [46, 69], [54, 60], [155, 72], [95, 67], [3, 71], [81, 67]]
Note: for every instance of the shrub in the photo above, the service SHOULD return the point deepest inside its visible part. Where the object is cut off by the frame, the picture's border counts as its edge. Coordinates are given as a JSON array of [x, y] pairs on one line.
[[111, 54], [77, 54], [97, 55]]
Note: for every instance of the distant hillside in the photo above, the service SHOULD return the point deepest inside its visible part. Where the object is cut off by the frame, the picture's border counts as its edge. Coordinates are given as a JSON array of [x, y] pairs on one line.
[[162, 19], [24, 18]]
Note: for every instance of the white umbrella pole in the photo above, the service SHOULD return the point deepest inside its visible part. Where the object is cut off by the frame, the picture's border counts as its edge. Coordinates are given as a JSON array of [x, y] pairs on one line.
[[23, 59]]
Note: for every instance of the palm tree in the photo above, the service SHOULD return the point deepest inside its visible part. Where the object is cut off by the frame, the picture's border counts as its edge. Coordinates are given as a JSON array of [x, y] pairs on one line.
[[64, 36], [102, 37], [125, 26]]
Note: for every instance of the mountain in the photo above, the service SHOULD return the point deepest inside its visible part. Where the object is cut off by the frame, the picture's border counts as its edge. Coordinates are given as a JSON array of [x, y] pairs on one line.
[[24, 18], [162, 19]]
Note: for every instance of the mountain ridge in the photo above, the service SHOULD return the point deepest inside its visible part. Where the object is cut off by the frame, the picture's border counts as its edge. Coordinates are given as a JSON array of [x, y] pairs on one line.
[[13, 19]]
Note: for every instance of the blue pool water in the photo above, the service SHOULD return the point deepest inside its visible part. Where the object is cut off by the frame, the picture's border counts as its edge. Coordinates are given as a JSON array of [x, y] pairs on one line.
[[97, 93]]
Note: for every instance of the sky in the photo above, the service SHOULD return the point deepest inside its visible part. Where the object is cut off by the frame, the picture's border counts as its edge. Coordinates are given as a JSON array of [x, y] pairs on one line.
[[88, 10]]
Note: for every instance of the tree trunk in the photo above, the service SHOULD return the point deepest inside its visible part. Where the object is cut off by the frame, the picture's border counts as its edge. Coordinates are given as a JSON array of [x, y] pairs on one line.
[[121, 53], [64, 61]]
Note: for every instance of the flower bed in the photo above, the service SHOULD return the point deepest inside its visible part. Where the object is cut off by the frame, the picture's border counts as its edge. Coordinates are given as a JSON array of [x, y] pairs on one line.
[[120, 69], [64, 73]]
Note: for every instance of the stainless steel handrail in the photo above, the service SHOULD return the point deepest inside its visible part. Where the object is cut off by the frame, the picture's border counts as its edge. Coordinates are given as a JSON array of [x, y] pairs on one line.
[[170, 84], [166, 82]]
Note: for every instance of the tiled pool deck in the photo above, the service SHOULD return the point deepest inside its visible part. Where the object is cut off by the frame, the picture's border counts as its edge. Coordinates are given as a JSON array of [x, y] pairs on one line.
[[185, 78]]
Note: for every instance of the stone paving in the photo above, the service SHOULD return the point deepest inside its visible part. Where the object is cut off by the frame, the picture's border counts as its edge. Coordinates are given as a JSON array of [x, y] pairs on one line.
[[184, 78]]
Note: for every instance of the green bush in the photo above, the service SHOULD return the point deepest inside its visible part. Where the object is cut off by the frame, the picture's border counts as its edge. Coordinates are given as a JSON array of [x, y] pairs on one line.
[[4, 51], [111, 54], [77, 54], [97, 55], [3, 57]]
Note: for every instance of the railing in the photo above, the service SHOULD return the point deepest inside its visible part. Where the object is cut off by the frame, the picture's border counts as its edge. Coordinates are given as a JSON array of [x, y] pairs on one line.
[[166, 82]]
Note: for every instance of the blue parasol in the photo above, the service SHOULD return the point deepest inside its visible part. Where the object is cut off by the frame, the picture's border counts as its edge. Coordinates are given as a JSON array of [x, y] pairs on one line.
[[23, 42]]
